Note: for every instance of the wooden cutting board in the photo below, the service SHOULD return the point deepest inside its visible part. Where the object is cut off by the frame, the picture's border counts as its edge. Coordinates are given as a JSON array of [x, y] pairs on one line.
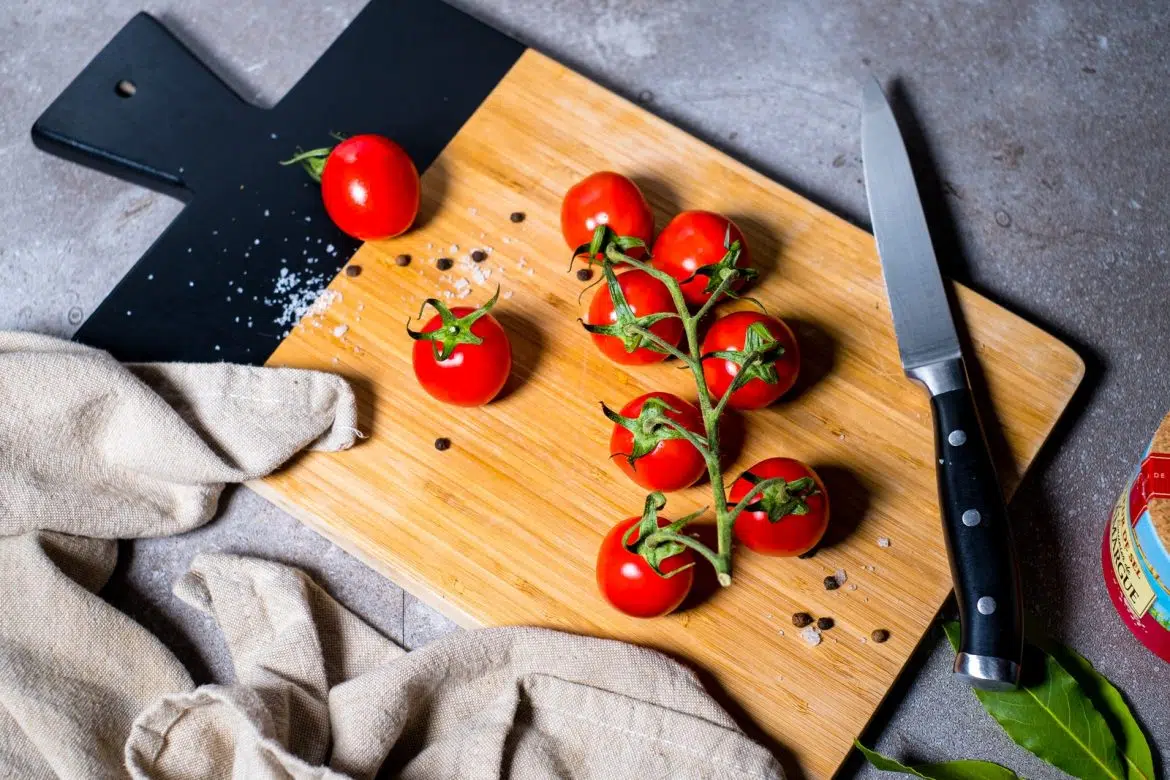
[[503, 528]]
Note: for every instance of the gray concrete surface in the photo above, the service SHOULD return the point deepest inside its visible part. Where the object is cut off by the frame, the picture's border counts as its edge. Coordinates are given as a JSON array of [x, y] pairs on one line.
[[1047, 125]]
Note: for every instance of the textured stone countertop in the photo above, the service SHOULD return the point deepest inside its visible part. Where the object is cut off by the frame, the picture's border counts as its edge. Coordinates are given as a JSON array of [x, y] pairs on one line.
[[1046, 122]]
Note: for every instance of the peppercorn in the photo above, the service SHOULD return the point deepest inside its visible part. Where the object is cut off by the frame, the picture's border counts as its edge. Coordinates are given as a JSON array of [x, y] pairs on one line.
[[478, 256], [442, 444], [831, 582], [353, 270], [444, 263], [517, 216], [801, 619], [879, 635], [584, 274], [402, 260], [825, 623]]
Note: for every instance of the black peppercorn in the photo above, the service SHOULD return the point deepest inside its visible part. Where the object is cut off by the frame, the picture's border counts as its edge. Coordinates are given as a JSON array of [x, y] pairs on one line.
[[825, 623], [880, 635], [442, 444], [584, 274], [444, 263], [402, 260], [831, 583], [517, 216], [801, 619]]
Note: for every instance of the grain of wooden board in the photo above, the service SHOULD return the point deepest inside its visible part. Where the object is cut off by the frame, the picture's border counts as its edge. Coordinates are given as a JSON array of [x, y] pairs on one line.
[[503, 527]]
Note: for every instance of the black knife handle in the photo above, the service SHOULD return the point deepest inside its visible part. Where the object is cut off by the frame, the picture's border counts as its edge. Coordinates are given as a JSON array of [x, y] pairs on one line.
[[979, 546]]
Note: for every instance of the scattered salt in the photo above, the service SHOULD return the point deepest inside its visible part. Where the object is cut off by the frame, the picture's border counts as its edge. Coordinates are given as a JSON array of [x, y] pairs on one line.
[[507, 294], [853, 587], [150, 277], [273, 136], [528, 271], [329, 248], [188, 250], [463, 294], [308, 219], [522, 263], [840, 576], [507, 240], [256, 241], [462, 284], [883, 541], [128, 313], [335, 360], [454, 248], [266, 212], [811, 634], [472, 210], [190, 284], [340, 330]]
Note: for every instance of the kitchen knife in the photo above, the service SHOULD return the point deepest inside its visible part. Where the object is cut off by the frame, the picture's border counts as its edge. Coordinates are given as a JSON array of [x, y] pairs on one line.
[[975, 521]]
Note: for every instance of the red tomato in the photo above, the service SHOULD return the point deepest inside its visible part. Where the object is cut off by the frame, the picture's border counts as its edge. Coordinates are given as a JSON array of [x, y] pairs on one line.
[[692, 240], [730, 334], [671, 464], [631, 585], [606, 198], [370, 187], [792, 534], [645, 295], [473, 374]]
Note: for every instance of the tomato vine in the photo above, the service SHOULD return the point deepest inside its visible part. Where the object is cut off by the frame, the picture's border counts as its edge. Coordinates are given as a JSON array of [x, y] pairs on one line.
[[609, 250]]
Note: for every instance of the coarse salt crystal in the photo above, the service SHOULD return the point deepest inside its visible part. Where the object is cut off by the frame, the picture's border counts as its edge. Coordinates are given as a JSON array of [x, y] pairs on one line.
[[463, 294], [472, 210], [340, 330], [462, 284], [329, 248], [507, 294], [811, 634], [840, 576], [853, 587], [256, 241], [528, 271], [335, 360], [507, 240], [883, 541], [454, 248], [266, 212]]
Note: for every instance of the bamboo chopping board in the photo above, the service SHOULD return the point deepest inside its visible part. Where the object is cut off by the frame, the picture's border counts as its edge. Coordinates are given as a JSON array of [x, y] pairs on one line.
[[503, 528]]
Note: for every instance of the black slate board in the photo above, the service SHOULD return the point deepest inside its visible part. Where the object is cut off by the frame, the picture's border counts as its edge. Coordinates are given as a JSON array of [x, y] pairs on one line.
[[253, 244]]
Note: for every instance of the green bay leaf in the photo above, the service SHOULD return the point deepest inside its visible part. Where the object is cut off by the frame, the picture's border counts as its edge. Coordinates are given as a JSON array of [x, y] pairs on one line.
[[1131, 740], [946, 770], [1055, 720]]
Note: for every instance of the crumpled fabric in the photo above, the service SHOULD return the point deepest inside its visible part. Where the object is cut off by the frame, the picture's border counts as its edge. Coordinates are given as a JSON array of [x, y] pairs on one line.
[[92, 451]]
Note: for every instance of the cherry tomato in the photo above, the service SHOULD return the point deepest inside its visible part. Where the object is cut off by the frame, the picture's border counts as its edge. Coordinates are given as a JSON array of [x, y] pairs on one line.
[[672, 464], [793, 533], [730, 334], [645, 295], [606, 198], [631, 585], [473, 374], [692, 240], [370, 187]]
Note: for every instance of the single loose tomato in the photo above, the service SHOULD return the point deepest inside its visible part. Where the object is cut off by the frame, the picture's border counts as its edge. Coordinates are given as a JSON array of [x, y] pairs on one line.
[[729, 341], [663, 460], [631, 585], [695, 239], [369, 184], [787, 519], [606, 198], [644, 296], [448, 362]]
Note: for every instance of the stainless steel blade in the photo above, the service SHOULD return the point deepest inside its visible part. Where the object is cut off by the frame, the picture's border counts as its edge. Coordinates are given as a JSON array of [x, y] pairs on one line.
[[922, 314]]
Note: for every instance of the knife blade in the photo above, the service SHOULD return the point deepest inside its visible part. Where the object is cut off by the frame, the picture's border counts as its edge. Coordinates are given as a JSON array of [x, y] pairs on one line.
[[975, 520]]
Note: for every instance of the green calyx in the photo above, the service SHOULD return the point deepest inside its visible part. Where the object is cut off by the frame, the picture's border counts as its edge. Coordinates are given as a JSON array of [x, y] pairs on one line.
[[758, 357], [727, 271], [452, 330], [780, 498], [313, 161], [603, 242], [651, 427], [627, 325], [655, 544]]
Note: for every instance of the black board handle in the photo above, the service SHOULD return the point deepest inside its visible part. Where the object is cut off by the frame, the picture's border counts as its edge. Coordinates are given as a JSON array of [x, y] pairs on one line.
[[145, 109]]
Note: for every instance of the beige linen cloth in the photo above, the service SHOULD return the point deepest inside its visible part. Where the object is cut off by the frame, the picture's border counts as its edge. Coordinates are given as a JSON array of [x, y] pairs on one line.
[[92, 451]]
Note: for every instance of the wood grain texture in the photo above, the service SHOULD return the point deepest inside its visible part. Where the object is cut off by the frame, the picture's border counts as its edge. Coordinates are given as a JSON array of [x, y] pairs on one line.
[[503, 528]]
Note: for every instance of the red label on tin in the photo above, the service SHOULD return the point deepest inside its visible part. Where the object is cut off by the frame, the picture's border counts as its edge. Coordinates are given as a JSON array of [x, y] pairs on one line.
[[1152, 482]]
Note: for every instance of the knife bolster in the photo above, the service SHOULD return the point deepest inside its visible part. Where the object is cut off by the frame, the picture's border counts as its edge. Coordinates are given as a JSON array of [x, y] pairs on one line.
[[940, 377]]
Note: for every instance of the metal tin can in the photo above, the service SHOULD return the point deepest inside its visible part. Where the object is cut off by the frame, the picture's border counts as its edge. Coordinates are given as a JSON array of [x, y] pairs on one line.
[[1134, 553]]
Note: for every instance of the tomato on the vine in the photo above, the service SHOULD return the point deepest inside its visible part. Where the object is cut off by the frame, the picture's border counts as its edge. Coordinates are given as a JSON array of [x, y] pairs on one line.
[[728, 342], [369, 185], [462, 356], [629, 582], [606, 198], [644, 296], [692, 240], [662, 459], [787, 519]]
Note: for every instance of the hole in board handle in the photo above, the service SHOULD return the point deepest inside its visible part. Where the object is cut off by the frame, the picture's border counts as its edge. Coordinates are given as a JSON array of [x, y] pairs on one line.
[[125, 88]]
